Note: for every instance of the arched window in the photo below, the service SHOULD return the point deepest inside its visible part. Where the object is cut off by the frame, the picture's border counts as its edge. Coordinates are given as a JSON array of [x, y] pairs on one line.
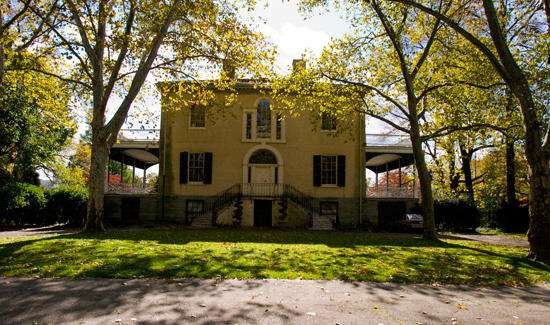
[[263, 119], [263, 156]]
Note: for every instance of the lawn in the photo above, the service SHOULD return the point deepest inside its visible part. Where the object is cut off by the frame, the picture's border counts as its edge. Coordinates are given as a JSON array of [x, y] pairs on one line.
[[246, 254]]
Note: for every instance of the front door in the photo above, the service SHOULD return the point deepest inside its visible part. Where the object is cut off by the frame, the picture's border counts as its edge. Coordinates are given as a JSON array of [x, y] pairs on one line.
[[262, 213], [262, 175]]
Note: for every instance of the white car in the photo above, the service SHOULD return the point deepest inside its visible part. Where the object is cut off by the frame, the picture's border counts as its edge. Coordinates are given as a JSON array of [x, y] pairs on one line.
[[414, 220]]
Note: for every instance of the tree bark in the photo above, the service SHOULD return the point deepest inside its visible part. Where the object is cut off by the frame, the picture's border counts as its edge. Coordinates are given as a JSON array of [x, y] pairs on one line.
[[426, 193], [94, 219], [510, 172], [466, 160], [539, 178], [510, 158]]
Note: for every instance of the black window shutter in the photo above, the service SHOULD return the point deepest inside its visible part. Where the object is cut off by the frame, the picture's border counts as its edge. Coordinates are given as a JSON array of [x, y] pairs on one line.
[[184, 158], [208, 168], [341, 171], [316, 170]]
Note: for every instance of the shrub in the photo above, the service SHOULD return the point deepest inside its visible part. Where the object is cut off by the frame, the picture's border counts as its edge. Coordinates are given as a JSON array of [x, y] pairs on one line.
[[456, 215], [21, 204], [66, 205], [512, 218]]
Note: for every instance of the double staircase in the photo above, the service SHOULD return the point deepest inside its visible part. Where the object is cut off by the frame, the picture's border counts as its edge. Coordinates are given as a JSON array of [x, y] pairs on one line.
[[234, 195]]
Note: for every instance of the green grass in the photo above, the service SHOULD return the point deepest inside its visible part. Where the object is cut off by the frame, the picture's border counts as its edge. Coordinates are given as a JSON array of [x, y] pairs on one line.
[[245, 254]]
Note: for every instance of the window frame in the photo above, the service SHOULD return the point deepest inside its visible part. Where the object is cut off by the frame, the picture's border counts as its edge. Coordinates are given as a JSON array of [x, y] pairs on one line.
[[253, 127], [324, 117], [187, 205], [189, 167], [322, 169], [191, 126]]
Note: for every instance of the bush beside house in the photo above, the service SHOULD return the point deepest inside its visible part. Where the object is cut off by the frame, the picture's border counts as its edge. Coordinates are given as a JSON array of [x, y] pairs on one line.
[[23, 204]]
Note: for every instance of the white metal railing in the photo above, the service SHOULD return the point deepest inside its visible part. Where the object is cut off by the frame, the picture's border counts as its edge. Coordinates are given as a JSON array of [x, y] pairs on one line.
[[382, 140], [262, 189], [399, 192], [129, 188]]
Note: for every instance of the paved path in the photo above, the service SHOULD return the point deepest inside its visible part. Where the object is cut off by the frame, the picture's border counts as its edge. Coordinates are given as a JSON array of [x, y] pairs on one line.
[[41, 231], [147, 301], [502, 240]]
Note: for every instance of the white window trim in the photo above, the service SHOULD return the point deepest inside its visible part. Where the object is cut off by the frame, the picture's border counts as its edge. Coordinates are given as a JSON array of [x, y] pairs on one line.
[[273, 138], [189, 182], [196, 127], [335, 170], [328, 130]]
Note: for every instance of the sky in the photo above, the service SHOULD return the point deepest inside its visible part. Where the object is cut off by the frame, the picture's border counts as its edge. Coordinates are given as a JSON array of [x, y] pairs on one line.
[[293, 32]]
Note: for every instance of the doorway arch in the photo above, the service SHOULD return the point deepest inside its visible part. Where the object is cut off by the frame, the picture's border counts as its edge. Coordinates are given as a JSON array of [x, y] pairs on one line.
[[263, 164]]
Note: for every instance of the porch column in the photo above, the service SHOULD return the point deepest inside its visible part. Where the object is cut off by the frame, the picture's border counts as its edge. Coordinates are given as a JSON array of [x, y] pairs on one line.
[[121, 170], [144, 176], [400, 173], [376, 177], [134, 171], [387, 180]]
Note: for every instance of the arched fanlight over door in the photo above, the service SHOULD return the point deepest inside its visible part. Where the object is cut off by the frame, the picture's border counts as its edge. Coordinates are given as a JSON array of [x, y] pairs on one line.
[[263, 156]]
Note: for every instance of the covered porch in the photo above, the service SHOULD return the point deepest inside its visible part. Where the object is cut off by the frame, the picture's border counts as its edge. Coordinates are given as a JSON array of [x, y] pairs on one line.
[[390, 160], [139, 154]]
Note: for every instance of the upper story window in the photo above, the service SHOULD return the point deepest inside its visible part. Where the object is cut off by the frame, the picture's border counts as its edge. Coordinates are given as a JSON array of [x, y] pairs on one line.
[[328, 122], [328, 170], [263, 119], [197, 117], [262, 124], [196, 167]]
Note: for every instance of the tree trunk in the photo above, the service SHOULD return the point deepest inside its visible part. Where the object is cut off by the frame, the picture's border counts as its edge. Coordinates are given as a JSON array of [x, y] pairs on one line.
[[94, 218], [426, 194], [510, 158], [510, 173], [539, 178], [466, 159], [539, 171]]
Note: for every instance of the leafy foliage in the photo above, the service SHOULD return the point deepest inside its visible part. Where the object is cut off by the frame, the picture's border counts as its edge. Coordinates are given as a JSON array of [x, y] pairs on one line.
[[35, 123], [21, 204]]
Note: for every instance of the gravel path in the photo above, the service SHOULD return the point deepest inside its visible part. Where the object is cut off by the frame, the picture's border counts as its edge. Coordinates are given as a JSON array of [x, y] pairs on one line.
[[501, 240], [42, 231], [148, 301]]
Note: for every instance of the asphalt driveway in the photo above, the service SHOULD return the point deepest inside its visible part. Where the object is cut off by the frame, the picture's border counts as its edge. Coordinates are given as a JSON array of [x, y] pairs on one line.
[[151, 301]]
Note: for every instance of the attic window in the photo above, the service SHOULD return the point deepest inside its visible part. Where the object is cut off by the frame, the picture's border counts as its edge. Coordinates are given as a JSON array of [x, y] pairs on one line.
[[328, 122], [197, 117]]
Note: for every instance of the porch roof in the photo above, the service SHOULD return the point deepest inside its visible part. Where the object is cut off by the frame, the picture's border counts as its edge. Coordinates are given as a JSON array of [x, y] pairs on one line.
[[385, 152], [139, 153]]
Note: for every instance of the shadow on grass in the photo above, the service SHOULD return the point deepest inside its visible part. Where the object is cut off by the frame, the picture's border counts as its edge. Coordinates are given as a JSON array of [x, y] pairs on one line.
[[259, 254]]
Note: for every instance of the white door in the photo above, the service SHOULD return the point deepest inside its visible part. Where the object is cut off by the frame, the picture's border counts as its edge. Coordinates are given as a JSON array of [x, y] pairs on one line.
[[262, 175]]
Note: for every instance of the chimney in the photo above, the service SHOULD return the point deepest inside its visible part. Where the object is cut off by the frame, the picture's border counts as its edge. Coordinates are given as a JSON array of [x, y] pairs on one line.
[[298, 65], [228, 69]]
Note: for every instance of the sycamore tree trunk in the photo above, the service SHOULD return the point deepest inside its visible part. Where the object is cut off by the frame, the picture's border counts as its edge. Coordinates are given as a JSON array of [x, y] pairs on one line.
[[466, 162], [426, 193], [510, 158], [510, 172], [539, 179], [539, 171], [96, 193]]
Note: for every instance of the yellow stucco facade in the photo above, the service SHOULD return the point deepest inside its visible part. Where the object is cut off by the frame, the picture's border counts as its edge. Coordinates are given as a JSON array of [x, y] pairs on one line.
[[231, 138]]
